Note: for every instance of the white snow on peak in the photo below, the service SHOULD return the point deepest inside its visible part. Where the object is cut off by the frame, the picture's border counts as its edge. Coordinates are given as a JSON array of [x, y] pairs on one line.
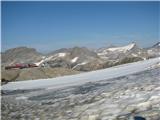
[[53, 57], [122, 49], [44, 59], [74, 59], [61, 54]]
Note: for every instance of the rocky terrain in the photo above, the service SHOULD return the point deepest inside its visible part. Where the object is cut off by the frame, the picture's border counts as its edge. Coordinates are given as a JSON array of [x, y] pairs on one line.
[[81, 58], [20, 55], [123, 98], [35, 73], [72, 59]]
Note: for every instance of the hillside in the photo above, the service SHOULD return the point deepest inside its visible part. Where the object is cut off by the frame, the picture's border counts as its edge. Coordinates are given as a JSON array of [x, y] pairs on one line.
[[20, 55], [35, 73]]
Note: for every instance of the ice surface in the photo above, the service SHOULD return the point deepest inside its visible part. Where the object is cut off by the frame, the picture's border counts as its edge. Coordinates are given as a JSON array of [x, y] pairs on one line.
[[82, 78]]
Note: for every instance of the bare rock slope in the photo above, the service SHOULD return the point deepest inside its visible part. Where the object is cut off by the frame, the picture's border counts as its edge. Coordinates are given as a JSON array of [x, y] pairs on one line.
[[20, 55], [35, 73]]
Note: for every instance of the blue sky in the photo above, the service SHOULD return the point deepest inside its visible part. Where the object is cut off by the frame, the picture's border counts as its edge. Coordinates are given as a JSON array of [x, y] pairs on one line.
[[47, 26]]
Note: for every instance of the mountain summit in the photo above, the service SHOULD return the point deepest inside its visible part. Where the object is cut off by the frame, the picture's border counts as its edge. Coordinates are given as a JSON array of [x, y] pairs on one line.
[[81, 58], [20, 55]]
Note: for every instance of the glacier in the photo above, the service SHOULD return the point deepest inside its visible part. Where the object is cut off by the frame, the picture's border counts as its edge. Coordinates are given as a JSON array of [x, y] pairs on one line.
[[79, 79]]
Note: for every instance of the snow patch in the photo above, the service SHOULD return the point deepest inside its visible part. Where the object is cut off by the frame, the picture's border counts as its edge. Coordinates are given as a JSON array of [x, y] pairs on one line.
[[122, 49], [83, 63], [144, 58], [74, 59], [103, 53], [21, 98], [61, 54], [44, 59]]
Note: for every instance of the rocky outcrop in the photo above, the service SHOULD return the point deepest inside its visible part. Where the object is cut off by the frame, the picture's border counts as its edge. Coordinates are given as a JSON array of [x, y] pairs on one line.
[[35, 73]]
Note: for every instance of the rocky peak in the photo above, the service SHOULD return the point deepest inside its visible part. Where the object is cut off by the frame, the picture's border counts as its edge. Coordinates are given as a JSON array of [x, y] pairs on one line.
[[20, 54], [157, 45]]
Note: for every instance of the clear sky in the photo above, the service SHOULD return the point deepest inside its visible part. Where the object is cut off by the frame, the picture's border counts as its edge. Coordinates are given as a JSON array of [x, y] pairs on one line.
[[47, 26]]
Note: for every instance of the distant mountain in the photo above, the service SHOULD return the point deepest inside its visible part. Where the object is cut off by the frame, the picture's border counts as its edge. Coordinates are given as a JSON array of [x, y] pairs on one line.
[[20, 55], [154, 51], [71, 58], [81, 58], [119, 53], [157, 45]]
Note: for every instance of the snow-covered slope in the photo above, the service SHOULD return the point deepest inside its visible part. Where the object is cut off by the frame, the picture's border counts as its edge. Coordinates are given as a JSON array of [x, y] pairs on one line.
[[98, 75], [121, 53], [116, 49], [124, 48], [51, 57]]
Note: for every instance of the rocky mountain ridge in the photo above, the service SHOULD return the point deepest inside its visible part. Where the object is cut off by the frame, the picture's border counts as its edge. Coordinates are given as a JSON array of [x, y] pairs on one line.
[[81, 58], [20, 55]]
